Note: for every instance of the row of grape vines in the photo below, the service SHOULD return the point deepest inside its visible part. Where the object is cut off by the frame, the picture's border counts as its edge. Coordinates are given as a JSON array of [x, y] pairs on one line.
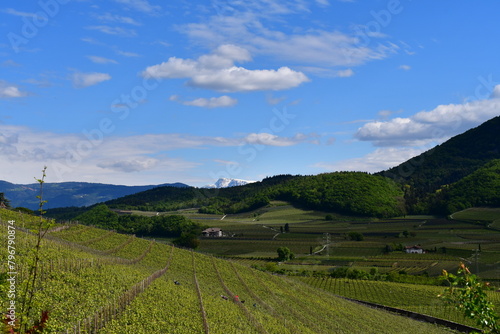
[[416, 298], [98, 320]]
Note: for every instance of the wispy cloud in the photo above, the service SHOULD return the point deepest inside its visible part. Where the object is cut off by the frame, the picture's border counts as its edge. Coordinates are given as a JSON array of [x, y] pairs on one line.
[[213, 102], [141, 6], [112, 158], [14, 12], [102, 60], [250, 25], [118, 31], [108, 17], [127, 54], [82, 80]]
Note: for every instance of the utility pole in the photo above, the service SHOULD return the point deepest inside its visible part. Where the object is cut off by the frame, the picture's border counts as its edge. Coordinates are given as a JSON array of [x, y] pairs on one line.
[[327, 243]]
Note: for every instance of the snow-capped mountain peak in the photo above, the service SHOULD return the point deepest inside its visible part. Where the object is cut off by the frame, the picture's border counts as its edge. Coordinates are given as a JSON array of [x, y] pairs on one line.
[[224, 182]]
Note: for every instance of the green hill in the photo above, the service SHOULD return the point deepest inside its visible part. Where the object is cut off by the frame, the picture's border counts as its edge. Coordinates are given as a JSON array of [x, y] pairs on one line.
[[344, 192], [91, 280], [480, 188], [447, 163]]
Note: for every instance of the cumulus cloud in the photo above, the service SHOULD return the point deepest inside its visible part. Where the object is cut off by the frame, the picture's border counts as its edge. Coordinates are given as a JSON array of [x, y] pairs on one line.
[[8, 90], [405, 67], [82, 80], [216, 71], [435, 125], [213, 102]]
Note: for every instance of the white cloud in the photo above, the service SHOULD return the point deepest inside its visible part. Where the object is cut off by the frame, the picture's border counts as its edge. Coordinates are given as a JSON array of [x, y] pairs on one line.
[[10, 63], [345, 73], [239, 79], [8, 90], [269, 139], [251, 26], [439, 124], [131, 165], [496, 92], [118, 31], [82, 80], [213, 102], [102, 60], [140, 5], [405, 67], [108, 158], [380, 159], [14, 12], [108, 17], [323, 3], [216, 71], [127, 54]]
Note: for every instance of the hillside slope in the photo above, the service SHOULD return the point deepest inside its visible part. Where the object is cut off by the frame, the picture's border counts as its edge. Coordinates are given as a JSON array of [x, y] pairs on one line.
[[446, 163], [480, 188], [122, 284], [346, 192]]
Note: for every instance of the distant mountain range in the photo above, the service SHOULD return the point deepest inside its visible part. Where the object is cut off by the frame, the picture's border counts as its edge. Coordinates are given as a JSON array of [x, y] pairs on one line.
[[67, 194]]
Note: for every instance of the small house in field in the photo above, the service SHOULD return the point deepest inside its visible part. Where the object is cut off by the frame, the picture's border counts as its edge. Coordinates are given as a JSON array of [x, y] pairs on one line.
[[212, 232], [414, 249]]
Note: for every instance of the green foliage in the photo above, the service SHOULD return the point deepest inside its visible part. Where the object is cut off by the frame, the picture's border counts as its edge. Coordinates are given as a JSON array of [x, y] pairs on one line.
[[356, 236], [481, 188], [285, 254], [4, 201], [468, 295], [160, 226]]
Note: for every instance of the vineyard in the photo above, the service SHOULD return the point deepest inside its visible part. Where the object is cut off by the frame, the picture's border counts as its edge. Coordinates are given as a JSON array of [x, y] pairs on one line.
[[412, 297], [96, 281]]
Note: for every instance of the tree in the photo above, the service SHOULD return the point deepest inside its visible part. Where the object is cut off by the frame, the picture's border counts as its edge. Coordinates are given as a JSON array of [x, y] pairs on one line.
[[356, 236], [468, 295], [4, 202], [285, 254], [287, 228]]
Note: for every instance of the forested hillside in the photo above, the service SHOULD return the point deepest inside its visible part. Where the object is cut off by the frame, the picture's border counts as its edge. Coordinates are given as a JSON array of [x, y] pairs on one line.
[[480, 188], [344, 192], [445, 164]]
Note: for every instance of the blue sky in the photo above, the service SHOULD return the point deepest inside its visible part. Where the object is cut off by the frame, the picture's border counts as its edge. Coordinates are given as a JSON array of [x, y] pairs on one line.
[[148, 92]]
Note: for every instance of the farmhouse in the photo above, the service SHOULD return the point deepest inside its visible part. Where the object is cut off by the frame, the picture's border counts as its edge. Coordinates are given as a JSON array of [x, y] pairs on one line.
[[414, 249], [212, 232]]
